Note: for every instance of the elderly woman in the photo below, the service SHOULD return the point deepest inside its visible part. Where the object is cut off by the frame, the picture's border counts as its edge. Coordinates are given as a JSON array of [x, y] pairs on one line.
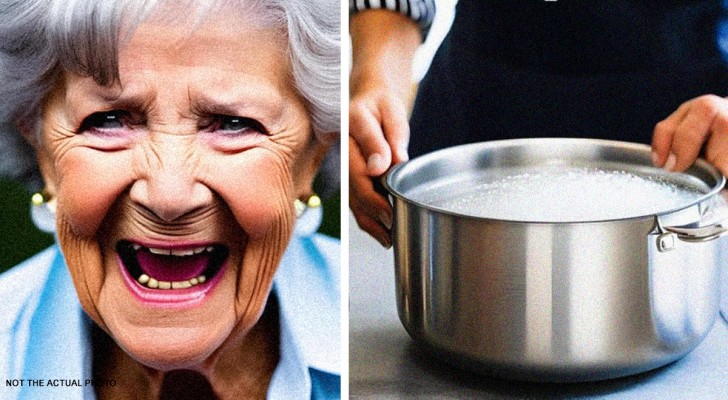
[[173, 140]]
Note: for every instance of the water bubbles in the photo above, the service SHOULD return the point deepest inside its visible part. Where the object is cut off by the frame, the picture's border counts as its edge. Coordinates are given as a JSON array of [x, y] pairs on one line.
[[558, 194]]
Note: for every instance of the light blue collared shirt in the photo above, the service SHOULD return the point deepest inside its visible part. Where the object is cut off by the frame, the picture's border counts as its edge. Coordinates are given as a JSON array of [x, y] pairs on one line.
[[44, 333]]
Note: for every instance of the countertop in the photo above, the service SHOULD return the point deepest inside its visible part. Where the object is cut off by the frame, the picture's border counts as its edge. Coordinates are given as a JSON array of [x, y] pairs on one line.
[[386, 364]]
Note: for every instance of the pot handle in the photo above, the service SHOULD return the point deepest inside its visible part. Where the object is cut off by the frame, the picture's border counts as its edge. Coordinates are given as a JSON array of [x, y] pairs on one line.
[[668, 234], [702, 234], [381, 187], [718, 209]]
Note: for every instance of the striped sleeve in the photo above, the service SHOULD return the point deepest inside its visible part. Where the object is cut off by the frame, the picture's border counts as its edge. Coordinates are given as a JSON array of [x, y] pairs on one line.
[[421, 11]]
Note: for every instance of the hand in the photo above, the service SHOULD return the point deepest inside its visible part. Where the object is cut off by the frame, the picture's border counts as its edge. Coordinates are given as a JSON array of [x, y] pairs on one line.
[[378, 137], [372, 211], [383, 44], [679, 138]]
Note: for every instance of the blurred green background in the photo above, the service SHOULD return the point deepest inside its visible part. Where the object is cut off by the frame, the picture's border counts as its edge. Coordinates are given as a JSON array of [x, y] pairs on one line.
[[20, 239]]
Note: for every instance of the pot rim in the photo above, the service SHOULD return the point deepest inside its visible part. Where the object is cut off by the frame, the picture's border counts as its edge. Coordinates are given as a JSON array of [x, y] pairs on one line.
[[388, 178]]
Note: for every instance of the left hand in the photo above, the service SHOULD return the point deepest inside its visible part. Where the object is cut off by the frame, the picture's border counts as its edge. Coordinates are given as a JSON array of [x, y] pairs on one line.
[[679, 138]]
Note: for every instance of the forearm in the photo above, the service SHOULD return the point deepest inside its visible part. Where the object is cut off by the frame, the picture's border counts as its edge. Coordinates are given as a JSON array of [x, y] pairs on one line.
[[383, 45]]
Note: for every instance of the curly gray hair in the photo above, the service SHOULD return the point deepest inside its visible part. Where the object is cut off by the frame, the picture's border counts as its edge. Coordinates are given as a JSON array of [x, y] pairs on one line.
[[41, 38]]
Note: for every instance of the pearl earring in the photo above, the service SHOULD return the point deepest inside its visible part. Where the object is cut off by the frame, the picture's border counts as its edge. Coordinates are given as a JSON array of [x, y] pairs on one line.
[[312, 202], [43, 211]]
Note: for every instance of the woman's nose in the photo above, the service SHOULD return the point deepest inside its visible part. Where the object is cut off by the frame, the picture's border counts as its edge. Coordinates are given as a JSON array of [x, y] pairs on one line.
[[170, 189]]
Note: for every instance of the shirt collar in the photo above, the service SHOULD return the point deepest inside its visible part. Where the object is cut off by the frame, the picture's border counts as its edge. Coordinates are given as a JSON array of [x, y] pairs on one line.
[[307, 286], [309, 222], [58, 330]]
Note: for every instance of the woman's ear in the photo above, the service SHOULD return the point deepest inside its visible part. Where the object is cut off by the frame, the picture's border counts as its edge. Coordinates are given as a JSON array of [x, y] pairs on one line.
[[29, 132], [315, 154], [47, 171], [329, 137], [31, 135]]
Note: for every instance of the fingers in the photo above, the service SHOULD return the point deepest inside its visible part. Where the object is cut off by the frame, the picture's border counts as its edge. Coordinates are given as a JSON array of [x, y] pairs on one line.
[[678, 140], [372, 212], [716, 151], [689, 136], [396, 128], [365, 128], [380, 127], [662, 137], [693, 130]]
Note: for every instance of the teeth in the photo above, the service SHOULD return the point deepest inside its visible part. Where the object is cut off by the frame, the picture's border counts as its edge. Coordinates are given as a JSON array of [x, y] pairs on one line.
[[182, 253], [164, 252], [146, 280], [181, 285], [178, 253], [152, 283]]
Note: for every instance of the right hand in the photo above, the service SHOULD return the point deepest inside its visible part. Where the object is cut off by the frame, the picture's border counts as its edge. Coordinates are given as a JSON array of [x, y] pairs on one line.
[[378, 138], [383, 44]]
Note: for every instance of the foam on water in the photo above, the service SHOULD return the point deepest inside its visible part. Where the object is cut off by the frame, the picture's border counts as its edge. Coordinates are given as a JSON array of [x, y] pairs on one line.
[[558, 194]]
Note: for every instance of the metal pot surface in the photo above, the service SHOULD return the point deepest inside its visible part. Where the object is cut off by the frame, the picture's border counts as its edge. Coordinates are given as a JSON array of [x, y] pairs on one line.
[[549, 300]]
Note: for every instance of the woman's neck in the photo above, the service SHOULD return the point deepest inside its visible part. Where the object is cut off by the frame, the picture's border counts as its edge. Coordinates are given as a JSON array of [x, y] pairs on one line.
[[241, 371]]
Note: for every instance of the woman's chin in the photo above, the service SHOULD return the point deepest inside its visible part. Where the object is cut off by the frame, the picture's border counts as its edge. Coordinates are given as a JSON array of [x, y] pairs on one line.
[[166, 349]]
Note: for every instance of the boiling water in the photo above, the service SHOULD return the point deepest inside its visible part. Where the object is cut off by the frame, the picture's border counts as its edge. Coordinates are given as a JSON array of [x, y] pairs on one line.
[[559, 194]]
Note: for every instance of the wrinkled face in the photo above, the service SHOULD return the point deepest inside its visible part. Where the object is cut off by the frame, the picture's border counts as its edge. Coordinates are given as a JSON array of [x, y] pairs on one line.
[[175, 186]]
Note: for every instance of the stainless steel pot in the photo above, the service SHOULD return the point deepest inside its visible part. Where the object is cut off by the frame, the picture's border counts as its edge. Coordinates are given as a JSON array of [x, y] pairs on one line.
[[551, 301]]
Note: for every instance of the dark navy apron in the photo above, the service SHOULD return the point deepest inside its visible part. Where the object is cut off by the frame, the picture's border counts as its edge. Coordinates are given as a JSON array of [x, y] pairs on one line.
[[596, 69]]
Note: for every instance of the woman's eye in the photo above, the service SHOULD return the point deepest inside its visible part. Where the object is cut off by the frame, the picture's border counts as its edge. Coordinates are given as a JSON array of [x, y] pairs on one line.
[[107, 120], [234, 124]]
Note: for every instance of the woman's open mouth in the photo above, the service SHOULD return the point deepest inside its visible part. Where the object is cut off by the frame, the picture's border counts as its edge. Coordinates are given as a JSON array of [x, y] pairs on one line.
[[171, 274], [171, 268]]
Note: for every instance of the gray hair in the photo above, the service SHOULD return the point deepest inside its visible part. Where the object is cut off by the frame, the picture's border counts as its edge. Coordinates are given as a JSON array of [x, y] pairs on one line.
[[41, 38]]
